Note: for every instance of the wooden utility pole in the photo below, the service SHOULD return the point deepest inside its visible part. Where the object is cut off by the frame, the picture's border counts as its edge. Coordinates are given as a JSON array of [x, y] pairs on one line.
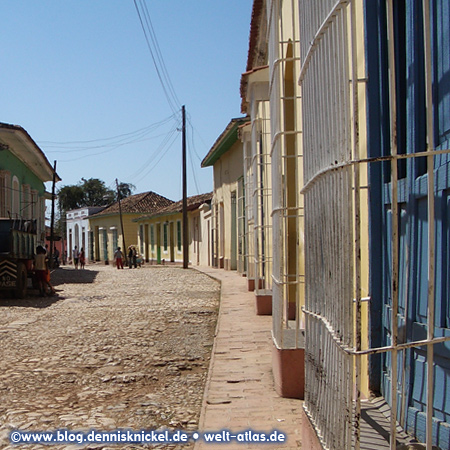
[[52, 219], [185, 218], [125, 253]]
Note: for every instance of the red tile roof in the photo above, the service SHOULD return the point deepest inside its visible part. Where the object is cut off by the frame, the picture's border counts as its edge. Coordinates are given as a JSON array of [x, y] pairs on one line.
[[147, 202], [192, 203]]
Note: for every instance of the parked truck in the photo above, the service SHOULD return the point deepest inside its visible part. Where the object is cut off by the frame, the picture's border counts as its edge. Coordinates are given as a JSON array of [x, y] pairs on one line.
[[18, 240]]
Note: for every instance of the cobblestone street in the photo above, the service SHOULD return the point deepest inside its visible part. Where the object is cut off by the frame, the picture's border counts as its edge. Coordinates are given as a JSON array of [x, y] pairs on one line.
[[114, 349]]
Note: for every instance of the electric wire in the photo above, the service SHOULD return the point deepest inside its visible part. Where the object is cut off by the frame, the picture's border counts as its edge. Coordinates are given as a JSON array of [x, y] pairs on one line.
[[122, 139], [157, 58], [192, 139], [193, 172], [159, 53], [167, 142], [169, 146]]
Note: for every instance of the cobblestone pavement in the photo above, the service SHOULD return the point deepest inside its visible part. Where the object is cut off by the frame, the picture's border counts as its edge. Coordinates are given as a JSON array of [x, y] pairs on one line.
[[114, 349]]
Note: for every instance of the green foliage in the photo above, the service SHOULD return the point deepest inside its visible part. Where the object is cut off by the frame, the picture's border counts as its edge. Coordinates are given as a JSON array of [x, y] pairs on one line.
[[70, 197], [96, 193], [124, 190], [91, 192]]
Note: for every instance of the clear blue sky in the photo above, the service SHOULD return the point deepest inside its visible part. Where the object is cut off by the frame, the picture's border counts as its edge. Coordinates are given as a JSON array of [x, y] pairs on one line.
[[77, 73]]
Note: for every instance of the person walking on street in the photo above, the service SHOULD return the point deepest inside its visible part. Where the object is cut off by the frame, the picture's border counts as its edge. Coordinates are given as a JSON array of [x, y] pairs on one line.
[[82, 258], [130, 256], [134, 257], [75, 256], [118, 256]]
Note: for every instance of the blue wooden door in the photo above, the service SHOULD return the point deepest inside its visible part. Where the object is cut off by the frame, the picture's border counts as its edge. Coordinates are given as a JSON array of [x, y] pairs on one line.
[[412, 208]]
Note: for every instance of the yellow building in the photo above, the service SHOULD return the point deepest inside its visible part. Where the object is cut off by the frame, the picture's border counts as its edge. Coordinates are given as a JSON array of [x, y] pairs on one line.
[[257, 165], [114, 226], [160, 234], [228, 213]]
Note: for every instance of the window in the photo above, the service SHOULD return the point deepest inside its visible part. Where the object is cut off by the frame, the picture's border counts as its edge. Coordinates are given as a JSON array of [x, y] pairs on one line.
[[15, 197], [179, 235], [141, 239], [115, 239], [5, 193], [165, 230], [152, 237]]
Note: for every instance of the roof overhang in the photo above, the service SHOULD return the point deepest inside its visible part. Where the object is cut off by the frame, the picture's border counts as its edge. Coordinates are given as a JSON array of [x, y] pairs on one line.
[[224, 142], [15, 139], [257, 78]]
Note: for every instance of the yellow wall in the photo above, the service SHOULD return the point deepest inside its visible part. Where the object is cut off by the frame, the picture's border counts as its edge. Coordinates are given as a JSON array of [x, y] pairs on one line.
[[363, 182], [154, 249], [227, 170], [110, 223]]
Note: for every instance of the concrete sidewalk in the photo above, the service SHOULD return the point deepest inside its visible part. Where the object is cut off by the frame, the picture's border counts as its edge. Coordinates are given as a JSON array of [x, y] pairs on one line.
[[240, 393]]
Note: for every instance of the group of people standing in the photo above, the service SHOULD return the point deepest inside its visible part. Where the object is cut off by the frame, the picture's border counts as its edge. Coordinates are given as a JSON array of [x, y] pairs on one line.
[[132, 257], [79, 257]]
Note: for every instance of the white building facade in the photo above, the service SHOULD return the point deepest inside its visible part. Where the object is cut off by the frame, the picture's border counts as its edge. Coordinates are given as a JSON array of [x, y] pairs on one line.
[[78, 231]]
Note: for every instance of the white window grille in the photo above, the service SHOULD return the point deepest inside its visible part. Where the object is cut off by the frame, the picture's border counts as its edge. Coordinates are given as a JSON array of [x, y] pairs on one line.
[[262, 196], [336, 202], [241, 244], [248, 189], [286, 152]]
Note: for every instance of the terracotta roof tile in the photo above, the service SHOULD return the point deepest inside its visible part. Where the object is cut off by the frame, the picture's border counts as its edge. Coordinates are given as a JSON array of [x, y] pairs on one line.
[[147, 202], [192, 203]]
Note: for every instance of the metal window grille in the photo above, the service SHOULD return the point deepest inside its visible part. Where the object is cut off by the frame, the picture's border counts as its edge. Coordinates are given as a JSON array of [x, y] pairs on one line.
[[287, 211], [241, 249], [335, 170], [262, 197], [248, 189]]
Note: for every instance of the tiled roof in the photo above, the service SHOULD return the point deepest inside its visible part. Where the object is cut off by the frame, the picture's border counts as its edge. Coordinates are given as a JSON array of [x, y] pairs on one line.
[[257, 47], [192, 203], [255, 30], [147, 202]]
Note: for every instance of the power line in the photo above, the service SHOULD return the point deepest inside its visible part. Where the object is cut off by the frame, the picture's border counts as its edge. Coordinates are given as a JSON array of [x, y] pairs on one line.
[[169, 146], [114, 141], [165, 144], [155, 52], [192, 140]]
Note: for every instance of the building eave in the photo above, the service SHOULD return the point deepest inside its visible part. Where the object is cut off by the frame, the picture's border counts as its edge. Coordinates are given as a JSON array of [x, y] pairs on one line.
[[16, 139], [224, 142]]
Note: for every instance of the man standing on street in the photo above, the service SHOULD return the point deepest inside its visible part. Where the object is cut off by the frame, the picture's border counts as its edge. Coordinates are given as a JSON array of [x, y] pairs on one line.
[[75, 256]]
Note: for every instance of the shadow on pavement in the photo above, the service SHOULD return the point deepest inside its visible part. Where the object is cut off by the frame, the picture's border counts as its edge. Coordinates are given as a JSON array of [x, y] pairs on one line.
[[67, 275], [59, 277], [33, 300]]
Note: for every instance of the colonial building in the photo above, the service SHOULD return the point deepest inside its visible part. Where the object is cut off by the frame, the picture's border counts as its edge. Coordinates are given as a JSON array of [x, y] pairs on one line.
[[78, 232], [228, 228], [345, 167], [114, 226], [23, 171], [160, 233]]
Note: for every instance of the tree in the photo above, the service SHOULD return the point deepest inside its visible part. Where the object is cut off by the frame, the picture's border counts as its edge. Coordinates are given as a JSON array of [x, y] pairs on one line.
[[124, 190], [91, 192], [96, 193], [70, 197]]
